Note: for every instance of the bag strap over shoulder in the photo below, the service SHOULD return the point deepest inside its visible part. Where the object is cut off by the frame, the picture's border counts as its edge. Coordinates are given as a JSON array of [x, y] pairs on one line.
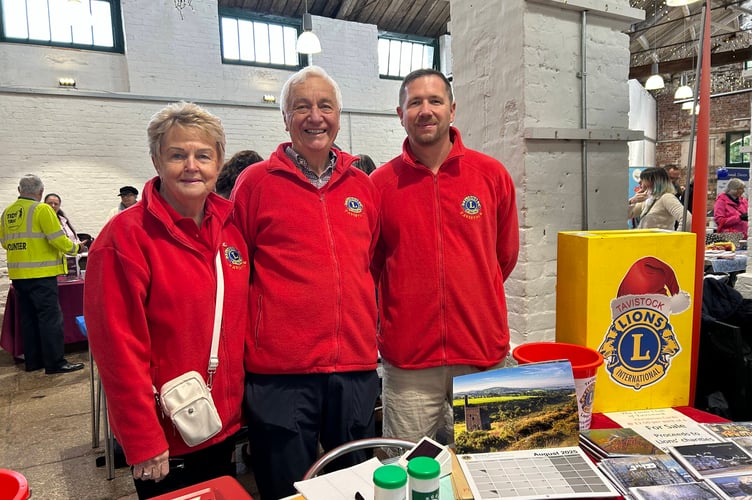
[[213, 356]]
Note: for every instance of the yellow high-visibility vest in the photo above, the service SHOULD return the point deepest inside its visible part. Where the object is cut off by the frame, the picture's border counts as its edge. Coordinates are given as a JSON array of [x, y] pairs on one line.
[[32, 235]]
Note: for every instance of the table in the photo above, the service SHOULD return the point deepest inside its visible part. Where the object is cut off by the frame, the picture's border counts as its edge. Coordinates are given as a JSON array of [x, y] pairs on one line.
[[722, 265], [71, 296], [600, 421]]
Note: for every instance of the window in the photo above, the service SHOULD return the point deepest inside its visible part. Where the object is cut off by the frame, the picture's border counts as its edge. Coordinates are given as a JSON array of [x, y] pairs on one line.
[[258, 41], [82, 24], [399, 55], [735, 141]]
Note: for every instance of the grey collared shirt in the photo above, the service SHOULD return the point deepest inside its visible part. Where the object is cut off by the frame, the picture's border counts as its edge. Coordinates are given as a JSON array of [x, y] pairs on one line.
[[317, 180]]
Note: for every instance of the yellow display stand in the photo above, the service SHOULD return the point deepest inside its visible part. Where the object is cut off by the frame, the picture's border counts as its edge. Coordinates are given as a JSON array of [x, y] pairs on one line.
[[628, 294]]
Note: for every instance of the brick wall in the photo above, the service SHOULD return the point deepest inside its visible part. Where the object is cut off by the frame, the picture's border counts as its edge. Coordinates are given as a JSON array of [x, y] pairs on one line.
[[729, 113]]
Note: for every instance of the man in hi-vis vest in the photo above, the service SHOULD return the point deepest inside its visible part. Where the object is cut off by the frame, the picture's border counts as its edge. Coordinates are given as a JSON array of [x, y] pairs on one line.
[[31, 233]]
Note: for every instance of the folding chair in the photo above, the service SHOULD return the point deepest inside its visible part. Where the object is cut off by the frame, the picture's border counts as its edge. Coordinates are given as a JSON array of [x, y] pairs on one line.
[[99, 407], [360, 444]]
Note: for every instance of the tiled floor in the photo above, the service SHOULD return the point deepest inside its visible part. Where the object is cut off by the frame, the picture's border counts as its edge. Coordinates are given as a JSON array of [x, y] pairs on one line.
[[45, 434]]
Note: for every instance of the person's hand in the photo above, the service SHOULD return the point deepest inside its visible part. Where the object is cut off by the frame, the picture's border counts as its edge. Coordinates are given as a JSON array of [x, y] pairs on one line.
[[82, 248], [639, 197], [154, 469], [744, 217]]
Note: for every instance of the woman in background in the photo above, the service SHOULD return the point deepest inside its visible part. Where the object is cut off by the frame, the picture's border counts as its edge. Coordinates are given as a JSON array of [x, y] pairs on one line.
[[54, 201], [655, 203], [730, 209], [149, 304]]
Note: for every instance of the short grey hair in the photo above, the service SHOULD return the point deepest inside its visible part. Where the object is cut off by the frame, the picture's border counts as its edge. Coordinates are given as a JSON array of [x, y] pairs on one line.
[[185, 114], [300, 77], [734, 184], [30, 184]]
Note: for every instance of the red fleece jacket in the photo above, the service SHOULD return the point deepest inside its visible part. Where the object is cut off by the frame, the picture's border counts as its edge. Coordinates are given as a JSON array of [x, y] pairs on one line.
[[149, 306], [313, 301], [448, 241]]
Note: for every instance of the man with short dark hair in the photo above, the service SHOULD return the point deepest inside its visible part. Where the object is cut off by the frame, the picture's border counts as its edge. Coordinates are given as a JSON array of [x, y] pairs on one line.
[[675, 174], [31, 233], [449, 239]]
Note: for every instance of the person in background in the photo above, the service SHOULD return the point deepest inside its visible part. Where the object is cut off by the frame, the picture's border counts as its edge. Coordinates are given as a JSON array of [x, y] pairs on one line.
[[365, 163], [731, 209], [449, 240], [310, 219], [232, 168], [128, 198], [675, 176], [149, 307], [652, 206], [31, 233], [54, 200]]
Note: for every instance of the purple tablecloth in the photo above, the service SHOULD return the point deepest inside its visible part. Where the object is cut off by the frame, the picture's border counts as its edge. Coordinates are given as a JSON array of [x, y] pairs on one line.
[[71, 301]]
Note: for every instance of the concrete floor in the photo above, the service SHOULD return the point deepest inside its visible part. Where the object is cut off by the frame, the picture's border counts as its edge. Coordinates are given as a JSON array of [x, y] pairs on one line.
[[46, 435]]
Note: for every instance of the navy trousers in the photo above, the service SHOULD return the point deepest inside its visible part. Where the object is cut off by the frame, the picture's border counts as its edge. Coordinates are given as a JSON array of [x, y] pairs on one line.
[[41, 322], [289, 415]]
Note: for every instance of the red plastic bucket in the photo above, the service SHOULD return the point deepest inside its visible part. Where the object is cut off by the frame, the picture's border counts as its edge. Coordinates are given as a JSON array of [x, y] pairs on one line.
[[585, 361], [13, 485]]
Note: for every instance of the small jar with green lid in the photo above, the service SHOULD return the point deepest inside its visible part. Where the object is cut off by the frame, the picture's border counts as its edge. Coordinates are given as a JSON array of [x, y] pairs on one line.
[[389, 483], [424, 478]]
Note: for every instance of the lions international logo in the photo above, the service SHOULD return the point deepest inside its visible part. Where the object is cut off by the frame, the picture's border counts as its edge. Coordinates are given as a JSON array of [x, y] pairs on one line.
[[353, 205], [640, 343], [233, 256], [471, 207]]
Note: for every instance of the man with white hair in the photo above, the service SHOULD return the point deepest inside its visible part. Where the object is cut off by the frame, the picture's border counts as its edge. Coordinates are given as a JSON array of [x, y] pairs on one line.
[[31, 234]]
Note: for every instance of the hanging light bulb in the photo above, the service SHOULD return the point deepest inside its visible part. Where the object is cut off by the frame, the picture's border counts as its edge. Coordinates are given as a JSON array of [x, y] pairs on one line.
[[308, 42], [655, 82], [684, 91]]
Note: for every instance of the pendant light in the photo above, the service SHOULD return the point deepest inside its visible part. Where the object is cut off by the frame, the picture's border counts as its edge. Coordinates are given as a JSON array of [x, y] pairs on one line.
[[655, 82], [308, 42], [684, 91]]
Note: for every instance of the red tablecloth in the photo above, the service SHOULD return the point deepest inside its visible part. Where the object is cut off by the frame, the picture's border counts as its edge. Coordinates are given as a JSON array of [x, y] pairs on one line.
[[72, 303]]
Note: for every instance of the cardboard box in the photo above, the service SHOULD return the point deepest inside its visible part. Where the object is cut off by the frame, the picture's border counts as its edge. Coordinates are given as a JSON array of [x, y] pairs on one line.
[[629, 295]]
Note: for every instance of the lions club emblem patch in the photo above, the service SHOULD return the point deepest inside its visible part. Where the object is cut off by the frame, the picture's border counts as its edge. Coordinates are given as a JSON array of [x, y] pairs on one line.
[[233, 256], [471, 207], [353, 205]]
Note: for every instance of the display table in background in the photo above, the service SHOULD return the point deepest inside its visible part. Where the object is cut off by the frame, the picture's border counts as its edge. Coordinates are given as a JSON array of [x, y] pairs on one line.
[[71, 294], [726, 263]]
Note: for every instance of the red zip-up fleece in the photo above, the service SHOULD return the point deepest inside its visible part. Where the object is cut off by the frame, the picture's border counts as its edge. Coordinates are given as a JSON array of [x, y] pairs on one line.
[[448, 241], [149, 305], [313, 300]]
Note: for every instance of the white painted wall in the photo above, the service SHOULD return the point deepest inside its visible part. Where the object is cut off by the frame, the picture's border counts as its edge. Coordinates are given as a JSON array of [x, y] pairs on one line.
[[516, 66], [87, 142], [642, 116]]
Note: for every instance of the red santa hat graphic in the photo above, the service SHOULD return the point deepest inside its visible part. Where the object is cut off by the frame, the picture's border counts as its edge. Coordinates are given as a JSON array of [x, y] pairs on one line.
[[651, 276]]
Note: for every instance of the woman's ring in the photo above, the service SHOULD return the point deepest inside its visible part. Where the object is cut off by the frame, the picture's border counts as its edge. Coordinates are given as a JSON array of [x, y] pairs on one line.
[[146, 474]]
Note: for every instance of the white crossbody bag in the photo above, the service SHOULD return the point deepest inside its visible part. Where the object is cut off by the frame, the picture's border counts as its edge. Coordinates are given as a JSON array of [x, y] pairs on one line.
[[187, 399]]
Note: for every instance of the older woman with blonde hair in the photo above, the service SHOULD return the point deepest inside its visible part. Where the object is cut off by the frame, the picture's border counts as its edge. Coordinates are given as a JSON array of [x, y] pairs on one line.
[[153, 277], [731, 209], [655, 204]]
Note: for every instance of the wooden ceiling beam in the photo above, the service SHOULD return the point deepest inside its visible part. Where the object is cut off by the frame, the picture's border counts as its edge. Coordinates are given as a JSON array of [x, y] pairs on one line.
[[688, 63]]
